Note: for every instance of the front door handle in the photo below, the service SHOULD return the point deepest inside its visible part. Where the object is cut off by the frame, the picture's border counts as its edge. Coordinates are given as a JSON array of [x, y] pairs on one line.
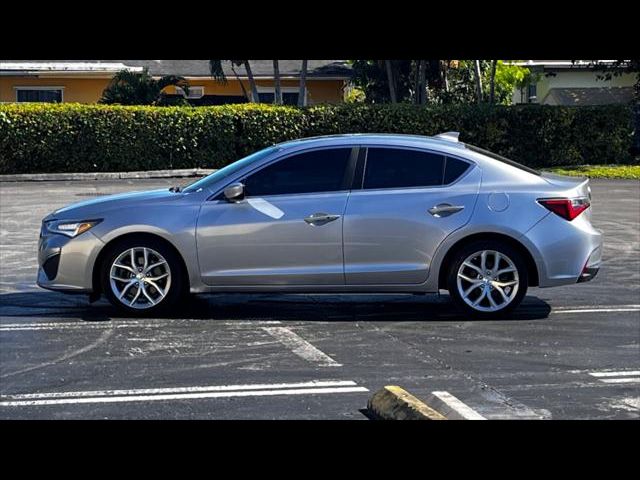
[[320, 218], [445, 209]]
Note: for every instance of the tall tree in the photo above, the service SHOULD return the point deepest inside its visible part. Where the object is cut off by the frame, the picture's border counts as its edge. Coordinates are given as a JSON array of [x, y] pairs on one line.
[[422, 82], [445, 74], [252, 81], [276, 80], [492, 81], [478, 80], [616, 68], [302, 95], [391, 81]]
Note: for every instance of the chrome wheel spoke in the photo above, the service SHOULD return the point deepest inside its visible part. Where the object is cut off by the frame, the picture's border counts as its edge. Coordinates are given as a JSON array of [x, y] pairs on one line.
[[120, 279], [155, 279], [468, 279], [471, 265], [135, 297], [496, 259], [505, 270], [504, 284], [157, 264], [155, 285], [501, 291], [124, 267], [472, 288], [124, 290], [483, 260], [146, 294], [491, 300], [481, 297], [145, 253]]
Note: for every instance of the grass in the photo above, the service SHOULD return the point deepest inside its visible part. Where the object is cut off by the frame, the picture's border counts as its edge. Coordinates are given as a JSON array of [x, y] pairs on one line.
[[599, 171]]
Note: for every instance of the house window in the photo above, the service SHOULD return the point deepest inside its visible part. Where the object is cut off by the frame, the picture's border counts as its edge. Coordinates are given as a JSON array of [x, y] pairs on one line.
[[290, 95], [39, 94], [532, 93], [194, 92]]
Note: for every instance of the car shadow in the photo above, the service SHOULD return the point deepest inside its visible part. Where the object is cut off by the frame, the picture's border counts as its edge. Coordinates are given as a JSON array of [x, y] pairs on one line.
[[264, 307]]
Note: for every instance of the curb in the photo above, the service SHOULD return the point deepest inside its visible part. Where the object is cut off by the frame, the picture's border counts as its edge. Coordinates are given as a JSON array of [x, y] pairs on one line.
[[394, 403], [57, 177]]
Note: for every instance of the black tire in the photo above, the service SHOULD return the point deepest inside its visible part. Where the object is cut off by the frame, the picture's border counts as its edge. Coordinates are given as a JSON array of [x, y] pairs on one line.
[[179, 280], [477, 246]]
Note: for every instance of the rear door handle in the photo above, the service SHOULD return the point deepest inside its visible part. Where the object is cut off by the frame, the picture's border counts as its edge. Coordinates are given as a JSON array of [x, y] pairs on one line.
[[445, 209], [320, 218]]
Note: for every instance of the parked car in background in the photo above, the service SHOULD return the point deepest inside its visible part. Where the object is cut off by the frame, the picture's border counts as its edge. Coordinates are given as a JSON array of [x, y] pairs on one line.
[[343, 214]]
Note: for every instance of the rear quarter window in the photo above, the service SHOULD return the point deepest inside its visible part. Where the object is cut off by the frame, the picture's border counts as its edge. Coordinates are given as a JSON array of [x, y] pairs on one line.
[[454, 169]]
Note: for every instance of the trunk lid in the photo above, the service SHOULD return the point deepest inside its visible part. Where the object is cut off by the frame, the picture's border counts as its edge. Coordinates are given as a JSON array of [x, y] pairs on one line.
[[575, 186]]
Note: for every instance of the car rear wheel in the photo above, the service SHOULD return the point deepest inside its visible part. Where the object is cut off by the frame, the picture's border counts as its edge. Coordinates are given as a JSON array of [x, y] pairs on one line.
[[142, 276], [487, 279]]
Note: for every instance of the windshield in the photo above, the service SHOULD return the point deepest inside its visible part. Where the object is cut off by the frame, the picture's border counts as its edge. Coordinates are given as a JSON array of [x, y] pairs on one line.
[[209, 180]]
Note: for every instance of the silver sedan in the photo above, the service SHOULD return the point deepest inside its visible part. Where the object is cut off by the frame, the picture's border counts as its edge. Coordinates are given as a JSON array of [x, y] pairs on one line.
[[340, 214]]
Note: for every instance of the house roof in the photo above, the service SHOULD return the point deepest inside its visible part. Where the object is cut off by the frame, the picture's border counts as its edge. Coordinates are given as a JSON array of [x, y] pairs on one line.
[[559, 64], [187, 68], [588, 96]]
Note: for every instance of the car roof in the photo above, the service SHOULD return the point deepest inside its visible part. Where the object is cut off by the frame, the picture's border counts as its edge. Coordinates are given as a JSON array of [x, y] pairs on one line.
[[445, 141]]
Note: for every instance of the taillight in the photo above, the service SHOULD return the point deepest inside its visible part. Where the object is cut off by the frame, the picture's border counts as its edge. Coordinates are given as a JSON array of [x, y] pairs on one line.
[[567, 208]]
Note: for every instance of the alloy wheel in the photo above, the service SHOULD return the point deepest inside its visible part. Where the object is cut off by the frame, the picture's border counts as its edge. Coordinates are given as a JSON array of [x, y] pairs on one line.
[[140, 277], [488, 280]]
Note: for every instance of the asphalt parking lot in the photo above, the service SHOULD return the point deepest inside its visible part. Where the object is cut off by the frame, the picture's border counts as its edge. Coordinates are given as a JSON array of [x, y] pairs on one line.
[[566, 353]]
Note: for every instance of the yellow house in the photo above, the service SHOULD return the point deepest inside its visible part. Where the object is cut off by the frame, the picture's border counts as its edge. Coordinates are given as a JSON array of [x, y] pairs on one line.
[[83, 81]]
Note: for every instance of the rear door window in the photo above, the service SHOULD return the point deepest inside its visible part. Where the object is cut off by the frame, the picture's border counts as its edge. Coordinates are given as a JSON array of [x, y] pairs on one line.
[[402, 168]]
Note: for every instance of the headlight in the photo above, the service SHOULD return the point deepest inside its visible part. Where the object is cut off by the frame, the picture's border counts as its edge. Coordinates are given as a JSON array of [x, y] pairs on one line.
[[70, 229]]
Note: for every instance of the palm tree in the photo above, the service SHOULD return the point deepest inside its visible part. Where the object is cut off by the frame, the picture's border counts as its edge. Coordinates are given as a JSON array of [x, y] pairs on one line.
[[302, 95], [276, 80], [132, 88], [478, 78], [492, 82], [391, 81], [217, 72]]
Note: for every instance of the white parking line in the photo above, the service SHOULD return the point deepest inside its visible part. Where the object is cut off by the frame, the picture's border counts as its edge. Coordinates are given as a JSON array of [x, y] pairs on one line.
[[624, 373], [156, 391], [301, 347], [13, 327], [603, 309], [620, 376], [621, 380], [186, 393]]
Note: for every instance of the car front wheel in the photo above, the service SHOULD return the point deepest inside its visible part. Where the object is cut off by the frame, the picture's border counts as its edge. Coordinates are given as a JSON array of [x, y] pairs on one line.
[[142, 277], [487, 279]]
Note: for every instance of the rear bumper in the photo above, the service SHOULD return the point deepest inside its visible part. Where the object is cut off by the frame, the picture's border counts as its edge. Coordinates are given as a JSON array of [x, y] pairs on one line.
[[588, 274], [565, 252]]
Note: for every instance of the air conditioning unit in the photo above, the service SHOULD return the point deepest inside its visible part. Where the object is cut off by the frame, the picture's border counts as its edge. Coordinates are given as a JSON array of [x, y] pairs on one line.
[[194, 92]]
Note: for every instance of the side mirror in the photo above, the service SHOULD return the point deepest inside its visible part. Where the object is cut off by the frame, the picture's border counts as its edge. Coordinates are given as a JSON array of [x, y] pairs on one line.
[[234, 192]]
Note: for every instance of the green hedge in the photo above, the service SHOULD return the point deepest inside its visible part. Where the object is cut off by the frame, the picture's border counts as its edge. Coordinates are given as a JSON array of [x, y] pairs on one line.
[[38, 138]]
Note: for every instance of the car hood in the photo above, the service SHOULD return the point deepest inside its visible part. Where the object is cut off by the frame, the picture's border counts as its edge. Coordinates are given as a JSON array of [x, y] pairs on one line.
[[95, 206]]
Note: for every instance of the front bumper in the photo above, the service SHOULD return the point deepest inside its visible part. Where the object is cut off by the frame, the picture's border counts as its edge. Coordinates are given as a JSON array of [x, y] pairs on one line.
[[565, 252], [66, 264]]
